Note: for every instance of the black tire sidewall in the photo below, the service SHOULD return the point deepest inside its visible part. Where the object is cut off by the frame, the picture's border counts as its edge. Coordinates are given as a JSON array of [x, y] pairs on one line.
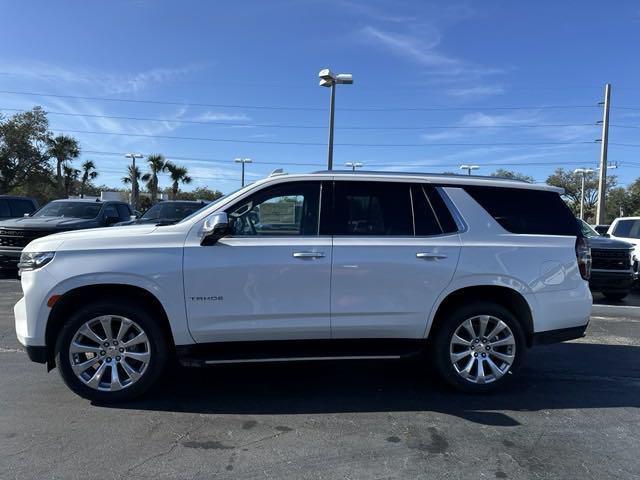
[[450, 324], [131, 310]]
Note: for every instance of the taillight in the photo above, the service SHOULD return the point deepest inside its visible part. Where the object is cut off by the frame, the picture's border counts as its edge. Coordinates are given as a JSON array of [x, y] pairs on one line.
[[583, 255]]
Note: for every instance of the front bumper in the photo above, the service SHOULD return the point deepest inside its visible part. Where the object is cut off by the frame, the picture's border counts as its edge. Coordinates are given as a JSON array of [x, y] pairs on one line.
[[611, 281], [9, 257]]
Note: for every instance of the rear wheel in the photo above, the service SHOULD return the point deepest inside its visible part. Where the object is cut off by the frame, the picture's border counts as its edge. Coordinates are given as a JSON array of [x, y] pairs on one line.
[[479, 347], [111, 351]]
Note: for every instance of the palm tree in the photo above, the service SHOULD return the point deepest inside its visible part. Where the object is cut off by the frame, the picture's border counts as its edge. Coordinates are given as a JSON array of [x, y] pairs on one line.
[[88, 173], [178, 175], [157, 164], [64, 149], [70, 175], [134, 173]]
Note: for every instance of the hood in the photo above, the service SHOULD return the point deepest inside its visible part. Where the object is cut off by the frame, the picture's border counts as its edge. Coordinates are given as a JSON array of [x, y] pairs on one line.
[[92, 238], [139, 221], [49, 223], [604, 242]]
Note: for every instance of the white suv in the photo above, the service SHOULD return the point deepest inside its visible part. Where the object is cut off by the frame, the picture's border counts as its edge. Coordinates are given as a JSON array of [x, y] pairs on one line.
[[328, 265]]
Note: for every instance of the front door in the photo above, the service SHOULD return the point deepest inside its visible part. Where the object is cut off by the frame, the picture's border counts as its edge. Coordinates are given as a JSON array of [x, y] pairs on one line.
[[392, 258], [270, 278]]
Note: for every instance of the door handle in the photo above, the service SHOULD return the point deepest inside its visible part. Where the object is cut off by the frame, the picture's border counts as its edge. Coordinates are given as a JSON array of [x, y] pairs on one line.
[[308, 254], [430, 256]]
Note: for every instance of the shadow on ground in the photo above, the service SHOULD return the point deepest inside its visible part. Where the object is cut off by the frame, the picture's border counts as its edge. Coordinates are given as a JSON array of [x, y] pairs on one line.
[[564, 376]]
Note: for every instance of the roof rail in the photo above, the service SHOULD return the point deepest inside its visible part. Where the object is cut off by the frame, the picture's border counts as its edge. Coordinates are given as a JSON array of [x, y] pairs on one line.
[[413, 174]]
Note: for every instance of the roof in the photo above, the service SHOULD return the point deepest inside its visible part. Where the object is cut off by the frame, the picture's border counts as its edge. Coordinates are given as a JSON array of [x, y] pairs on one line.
[[436, 178]]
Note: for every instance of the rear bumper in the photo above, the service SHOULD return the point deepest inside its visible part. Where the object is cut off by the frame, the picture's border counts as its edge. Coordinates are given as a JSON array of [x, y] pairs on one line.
[[611, 281], [561, 335]]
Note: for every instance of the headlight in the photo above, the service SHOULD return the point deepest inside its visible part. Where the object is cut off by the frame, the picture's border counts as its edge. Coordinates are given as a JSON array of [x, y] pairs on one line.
[[34, 260]]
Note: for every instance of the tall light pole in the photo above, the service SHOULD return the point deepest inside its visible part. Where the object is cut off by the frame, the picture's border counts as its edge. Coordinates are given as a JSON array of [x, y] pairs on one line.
[[134, 180], [469, 168], [353, 165], [328, 79], [243, 161], [583, 172], [602, 178]]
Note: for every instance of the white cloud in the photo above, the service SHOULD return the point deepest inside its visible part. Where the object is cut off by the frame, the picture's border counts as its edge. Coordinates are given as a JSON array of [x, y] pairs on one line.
[[477, 91], [479, 119], [220, 117], [443, 135]]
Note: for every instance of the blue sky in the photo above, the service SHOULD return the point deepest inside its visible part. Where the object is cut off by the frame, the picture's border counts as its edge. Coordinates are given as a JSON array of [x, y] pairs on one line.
[[428, 78]]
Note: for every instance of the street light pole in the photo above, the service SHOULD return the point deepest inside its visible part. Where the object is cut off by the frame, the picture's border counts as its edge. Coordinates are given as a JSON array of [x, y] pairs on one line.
[[328, 79], [134, 179], [469, 168], [353, 165], [243, 161], [583, 172]]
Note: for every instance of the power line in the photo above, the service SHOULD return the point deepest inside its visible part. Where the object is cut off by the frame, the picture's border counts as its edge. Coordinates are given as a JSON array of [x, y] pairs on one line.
[[322, 127], [322, 144], [281, 107]]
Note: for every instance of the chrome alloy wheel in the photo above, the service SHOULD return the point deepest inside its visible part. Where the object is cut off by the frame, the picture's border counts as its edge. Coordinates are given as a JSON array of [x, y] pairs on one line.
[[109, 353], [482, 349]]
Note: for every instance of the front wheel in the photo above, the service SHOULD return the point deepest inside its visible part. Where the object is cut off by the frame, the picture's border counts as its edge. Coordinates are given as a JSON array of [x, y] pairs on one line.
[[615, 296], [109, 352], [479, 347]]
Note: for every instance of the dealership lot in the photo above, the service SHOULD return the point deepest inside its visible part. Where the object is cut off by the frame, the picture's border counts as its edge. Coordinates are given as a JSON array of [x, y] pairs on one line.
[[572, 414]]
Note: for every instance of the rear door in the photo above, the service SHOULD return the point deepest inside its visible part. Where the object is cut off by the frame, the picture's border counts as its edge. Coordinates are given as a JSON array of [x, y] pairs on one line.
[[392, 258]]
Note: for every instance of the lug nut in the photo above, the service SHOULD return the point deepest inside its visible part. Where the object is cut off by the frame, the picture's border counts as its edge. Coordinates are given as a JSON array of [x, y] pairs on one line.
[[121, 350], [475, 354], [102, 352], [115, 342], [108, 359], [106, 344], [488, 347], [118, 358], [484, 354]]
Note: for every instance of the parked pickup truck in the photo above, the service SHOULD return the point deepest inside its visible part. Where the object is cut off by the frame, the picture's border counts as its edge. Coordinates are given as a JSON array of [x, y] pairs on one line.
[[56, 216], [612, 271]]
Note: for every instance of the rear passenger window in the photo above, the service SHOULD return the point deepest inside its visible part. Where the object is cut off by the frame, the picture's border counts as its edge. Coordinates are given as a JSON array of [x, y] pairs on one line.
[[123, 212], [372, 208], [520, 210], [425, 217]]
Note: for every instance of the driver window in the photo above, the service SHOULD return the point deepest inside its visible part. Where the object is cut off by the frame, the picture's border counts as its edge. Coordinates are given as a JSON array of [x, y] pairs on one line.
[[283, 210]]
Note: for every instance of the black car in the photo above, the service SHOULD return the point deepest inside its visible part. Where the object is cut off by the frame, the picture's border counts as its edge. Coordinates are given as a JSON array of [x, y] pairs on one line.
[[56, 216], [612, 271], [16, 207], [170, 211]]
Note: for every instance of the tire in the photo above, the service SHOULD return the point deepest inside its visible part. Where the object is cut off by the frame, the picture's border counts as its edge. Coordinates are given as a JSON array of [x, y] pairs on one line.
[[616, 296], [508, 344], [141, 363]]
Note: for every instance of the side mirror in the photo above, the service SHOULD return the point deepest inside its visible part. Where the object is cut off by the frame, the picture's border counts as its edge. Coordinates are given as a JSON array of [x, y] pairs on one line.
[[215, 227]]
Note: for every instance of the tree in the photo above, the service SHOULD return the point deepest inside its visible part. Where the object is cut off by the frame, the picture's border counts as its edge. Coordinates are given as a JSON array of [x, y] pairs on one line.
[[503, 173], [200, 193], [24, 163], [64, 149], [157, 164], [134, 173], [88, 173], [178, 175], [572, 184], [70, 178]]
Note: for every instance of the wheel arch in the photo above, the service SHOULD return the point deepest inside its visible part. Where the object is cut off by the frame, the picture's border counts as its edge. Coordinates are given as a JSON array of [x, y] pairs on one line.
[[82, 295], [507, 297]]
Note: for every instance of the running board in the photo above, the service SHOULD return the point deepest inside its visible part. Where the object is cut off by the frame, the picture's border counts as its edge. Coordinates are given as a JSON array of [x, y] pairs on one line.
[[201, 355]]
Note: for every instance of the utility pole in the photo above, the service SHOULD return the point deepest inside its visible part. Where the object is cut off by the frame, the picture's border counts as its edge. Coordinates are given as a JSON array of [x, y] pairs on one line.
[[134, 180], [583, 172], [242, 161], [602, 179]]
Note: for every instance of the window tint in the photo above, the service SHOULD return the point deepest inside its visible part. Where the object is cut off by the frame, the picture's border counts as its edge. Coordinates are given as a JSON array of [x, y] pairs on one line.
[[425, 218], [110, 211], [20, 207], [124, 212], [627, 228], [520, 210], [282, 210], [372, 208], [443, 213], [4, 209]]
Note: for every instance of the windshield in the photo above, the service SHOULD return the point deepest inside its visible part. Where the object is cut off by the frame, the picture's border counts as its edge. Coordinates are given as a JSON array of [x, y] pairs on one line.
[[587, 230], [84, 210], [171, 211], [627, 229]]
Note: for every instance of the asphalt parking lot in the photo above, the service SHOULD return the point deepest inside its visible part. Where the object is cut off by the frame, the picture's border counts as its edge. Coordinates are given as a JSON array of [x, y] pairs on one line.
[[573, 413]]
